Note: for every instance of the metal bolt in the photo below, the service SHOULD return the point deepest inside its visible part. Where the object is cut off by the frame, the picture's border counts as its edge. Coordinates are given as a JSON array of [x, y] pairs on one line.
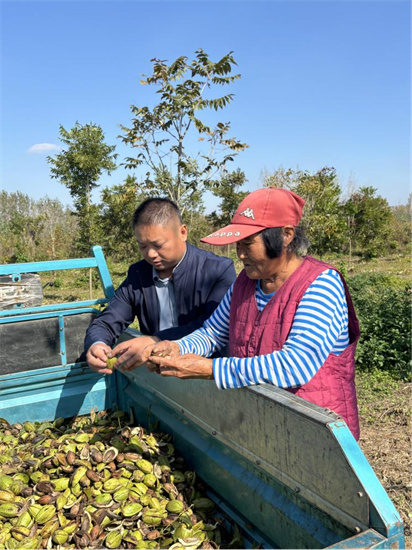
[[213, 432], [357, 529], [297, 489], [360, 494], [258, 462]]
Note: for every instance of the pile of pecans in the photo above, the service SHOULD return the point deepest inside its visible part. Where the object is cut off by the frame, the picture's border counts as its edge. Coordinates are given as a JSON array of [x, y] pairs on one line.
[[96, 481]]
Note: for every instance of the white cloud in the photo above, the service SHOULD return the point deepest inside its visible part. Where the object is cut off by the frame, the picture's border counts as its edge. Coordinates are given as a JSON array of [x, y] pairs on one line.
[[43, 147]]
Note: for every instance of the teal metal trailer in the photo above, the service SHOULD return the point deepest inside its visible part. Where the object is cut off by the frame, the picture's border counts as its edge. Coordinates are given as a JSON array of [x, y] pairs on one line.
[[288, 472]]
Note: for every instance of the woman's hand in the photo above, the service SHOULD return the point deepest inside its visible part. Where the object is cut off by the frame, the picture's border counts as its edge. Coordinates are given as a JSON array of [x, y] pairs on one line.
[[185, 366], [165, 348]]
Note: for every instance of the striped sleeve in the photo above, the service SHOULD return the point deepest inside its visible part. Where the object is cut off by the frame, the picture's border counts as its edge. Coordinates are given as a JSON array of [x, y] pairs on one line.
[[320, 327], [213, 335]]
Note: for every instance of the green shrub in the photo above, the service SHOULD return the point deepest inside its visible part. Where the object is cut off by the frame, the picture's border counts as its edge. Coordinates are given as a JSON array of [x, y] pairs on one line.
[[83, 280], [58, 282], [383, 306]]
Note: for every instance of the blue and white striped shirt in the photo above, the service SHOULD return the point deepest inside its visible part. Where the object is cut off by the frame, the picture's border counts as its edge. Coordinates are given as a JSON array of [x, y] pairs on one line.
[[320, 327]]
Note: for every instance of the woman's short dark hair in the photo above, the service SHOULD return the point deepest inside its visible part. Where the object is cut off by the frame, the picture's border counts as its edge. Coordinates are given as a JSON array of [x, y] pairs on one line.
[[156, 211], [273, 241]]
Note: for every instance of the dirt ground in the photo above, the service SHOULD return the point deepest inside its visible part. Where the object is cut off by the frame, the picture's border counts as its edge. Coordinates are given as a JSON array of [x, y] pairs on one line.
[[386, 442]]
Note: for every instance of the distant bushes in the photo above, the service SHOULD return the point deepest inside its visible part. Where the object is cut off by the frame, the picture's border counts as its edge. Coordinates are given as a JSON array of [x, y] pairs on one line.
[[35, 230], [383, 306]]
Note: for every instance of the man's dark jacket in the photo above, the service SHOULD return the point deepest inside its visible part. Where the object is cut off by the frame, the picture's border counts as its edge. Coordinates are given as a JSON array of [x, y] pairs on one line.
[[200, 282]]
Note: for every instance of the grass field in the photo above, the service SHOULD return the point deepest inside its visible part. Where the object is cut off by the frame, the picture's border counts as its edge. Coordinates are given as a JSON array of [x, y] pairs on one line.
[[384, 404]]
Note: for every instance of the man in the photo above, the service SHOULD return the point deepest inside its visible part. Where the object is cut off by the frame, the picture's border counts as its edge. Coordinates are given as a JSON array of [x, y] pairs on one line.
[[172, 291]]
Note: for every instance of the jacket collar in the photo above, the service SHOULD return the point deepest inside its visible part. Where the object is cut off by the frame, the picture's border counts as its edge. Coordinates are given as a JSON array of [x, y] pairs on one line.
[[184, 263]]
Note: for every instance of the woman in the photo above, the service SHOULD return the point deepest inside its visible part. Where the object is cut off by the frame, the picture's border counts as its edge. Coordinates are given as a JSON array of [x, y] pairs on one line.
[[289, 319]]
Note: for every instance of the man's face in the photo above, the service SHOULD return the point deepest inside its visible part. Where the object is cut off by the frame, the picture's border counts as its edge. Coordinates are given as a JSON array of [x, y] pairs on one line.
[[162, 246]]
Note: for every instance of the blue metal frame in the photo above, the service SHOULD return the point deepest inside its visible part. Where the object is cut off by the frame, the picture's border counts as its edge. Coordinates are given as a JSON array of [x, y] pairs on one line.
[[51, 392], [52, 307], [98, 261], [282, 517], [69, 388], [44, 314], [62, 310], [384, 518], [62, 339], [280, 514]]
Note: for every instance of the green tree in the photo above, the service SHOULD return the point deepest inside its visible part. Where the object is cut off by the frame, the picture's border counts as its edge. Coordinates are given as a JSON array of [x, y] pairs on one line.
[[118, 204], [369, 217], [34, 230], [161, 136], [401, 227], [231, 197], [59, 230], [79, 168], [323, 215], [26, 231], [281, 178]]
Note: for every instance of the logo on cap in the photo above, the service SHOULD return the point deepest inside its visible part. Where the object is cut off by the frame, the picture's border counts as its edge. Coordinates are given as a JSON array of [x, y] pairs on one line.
[[224, 234], [248, 213]]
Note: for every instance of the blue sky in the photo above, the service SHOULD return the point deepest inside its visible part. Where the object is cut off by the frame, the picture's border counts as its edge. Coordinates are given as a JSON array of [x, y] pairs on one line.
[[324, 83]]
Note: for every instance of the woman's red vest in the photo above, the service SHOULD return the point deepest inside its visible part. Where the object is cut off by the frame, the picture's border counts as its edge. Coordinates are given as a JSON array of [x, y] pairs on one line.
[[252, 333]]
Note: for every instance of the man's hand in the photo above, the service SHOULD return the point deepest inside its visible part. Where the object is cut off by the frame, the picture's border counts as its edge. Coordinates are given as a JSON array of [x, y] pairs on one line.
[[133, 353], [97, 356], [185, 366]]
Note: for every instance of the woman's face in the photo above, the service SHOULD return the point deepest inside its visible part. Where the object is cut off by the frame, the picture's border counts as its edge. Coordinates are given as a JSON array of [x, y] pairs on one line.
[[252, 252]]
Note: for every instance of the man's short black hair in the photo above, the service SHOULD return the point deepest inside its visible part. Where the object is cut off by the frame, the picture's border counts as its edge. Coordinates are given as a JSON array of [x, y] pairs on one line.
[[273, 241], [156, 211]]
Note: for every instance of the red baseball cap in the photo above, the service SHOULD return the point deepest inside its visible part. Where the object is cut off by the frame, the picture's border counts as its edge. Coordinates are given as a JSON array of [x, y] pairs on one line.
[[268, 207]]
